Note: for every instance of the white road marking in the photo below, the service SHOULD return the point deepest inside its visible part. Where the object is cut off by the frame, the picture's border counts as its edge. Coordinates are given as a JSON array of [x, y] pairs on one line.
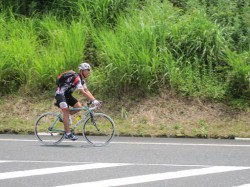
[[182, 144], [45, 171], [143, 143], [244, 139], [157, 177], [119, 181], [18, 140], [137, 164], [44, 161], [1, 161], [47, 134]]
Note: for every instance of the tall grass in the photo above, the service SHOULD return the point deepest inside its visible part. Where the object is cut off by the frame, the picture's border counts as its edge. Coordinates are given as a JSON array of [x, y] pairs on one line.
[[61, 48], [101, 12], [239, 74], [229, 29], [129, 53], [18, 45], [233, 17], [34, 51], [195, 47], [158, 45]]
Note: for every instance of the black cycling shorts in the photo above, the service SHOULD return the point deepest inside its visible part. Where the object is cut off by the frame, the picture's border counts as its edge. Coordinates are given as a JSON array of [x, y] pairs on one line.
[[69, 99]]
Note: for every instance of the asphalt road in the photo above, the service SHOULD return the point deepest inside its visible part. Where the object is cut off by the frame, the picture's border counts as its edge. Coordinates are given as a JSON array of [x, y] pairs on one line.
[[127, 161]]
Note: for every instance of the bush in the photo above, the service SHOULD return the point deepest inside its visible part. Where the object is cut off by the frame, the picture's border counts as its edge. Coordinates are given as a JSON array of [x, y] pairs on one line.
[[195, 47]]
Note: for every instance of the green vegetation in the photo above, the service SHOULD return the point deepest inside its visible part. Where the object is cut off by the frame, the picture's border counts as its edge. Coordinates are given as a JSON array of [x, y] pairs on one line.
[[196, 47]]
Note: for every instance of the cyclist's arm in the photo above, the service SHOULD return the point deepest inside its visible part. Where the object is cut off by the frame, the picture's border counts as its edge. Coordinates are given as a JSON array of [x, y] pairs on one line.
[[82, 88], [86, 93]]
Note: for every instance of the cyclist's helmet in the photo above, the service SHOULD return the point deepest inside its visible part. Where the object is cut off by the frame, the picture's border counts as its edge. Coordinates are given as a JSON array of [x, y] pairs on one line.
[[84, 66]]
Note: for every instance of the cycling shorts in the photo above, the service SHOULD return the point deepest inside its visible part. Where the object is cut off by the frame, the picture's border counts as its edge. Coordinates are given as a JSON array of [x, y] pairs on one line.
[[64, 101]]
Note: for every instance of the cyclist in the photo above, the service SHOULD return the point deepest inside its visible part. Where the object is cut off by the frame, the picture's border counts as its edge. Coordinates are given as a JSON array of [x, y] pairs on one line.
[[64, 97]]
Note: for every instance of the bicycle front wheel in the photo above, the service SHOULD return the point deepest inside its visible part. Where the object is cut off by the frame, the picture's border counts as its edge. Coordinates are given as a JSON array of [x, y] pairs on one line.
[[48, 129], [99, 129]]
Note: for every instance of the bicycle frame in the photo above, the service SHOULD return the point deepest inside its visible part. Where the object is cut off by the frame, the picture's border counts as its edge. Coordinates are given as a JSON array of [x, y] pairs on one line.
[[89, 111]]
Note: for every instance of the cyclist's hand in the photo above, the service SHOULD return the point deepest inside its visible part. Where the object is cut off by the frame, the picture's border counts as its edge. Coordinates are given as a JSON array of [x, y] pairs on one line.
[[96, 103]]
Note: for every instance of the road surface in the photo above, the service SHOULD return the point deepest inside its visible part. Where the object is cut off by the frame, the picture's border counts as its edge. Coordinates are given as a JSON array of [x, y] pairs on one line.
[[127, 161]]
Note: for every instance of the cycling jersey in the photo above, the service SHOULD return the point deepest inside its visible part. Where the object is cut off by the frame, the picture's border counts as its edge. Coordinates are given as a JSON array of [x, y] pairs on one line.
[[69, 89]]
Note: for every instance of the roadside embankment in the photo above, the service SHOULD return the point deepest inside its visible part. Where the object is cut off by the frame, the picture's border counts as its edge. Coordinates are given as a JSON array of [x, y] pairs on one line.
[[158, 116]]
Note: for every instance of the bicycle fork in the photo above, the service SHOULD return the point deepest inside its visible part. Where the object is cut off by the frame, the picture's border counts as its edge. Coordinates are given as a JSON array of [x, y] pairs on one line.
[[93, 121]]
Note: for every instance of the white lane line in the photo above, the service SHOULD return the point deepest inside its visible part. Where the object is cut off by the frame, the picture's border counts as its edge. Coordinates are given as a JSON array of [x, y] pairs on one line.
[[244, 185], [144, 143], [45, 171], [121, 164], [135, 164], [18, 140], [2, 161], [157, 177], [244, 139], [182, 144], [43, 161]]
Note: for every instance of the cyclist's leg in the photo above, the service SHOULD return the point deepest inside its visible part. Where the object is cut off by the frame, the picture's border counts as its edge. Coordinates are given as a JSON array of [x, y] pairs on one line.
[[65, 112], [62, 103], [74, 103], [77, 105]]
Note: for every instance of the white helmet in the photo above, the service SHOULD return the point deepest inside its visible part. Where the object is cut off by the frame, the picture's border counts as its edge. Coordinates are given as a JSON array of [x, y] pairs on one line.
[[84, 66]]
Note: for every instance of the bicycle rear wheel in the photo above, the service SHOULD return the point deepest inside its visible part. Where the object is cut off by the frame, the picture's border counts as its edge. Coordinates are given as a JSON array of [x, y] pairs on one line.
[[48, 129], [99, 130]]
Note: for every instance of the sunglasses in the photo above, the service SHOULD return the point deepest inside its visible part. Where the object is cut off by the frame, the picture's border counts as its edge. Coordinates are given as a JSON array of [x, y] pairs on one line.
[[87, 69]]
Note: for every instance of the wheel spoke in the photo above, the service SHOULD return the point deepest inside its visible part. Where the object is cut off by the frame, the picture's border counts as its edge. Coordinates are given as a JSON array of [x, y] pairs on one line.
[[100, 130], [48, 129]]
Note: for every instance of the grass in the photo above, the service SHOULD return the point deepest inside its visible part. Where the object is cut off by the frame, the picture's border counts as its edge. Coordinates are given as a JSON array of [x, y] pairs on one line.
[[193, 48], [37, 50], [172, 117]]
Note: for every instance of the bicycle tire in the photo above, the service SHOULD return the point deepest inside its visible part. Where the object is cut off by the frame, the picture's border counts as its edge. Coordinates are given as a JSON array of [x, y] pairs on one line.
[[101, 135], [49, 136]]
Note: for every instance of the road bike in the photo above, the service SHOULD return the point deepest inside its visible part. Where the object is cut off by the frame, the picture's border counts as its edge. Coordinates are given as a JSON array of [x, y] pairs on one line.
[[98, 129]]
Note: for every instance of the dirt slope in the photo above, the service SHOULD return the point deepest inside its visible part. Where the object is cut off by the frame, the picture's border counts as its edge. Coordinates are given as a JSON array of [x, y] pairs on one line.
[[163, 115]]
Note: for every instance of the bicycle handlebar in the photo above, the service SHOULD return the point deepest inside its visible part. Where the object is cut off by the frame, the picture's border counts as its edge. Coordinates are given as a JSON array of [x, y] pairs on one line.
[[93, 108]]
